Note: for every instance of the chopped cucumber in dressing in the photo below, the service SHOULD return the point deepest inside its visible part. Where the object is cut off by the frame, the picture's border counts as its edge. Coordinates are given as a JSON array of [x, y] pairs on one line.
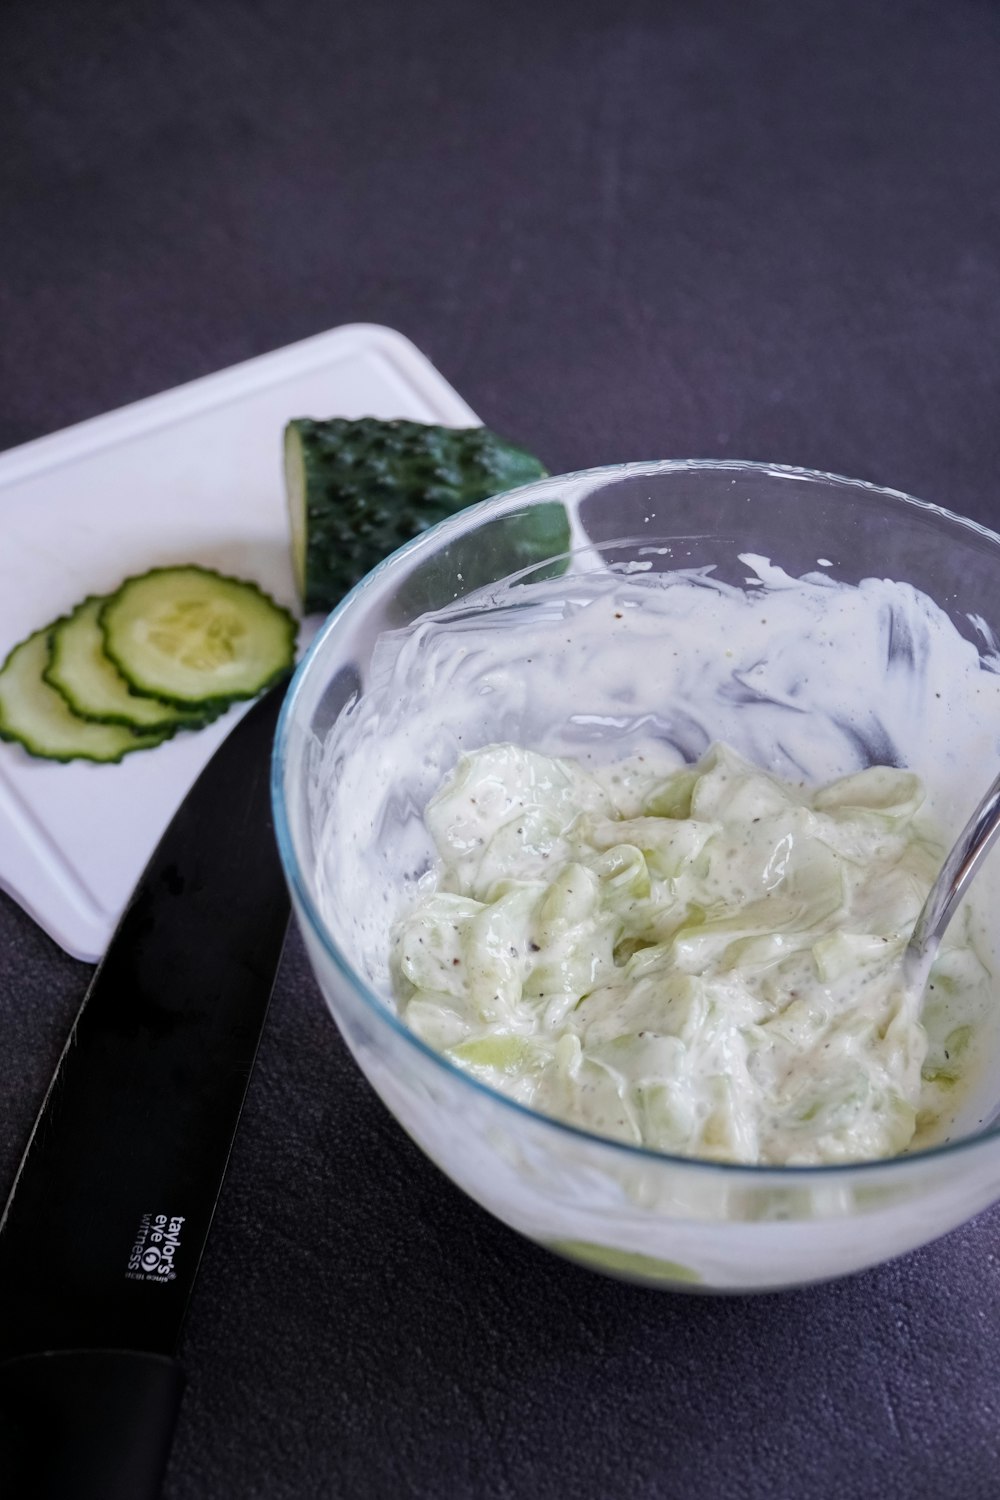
[[707, 963]]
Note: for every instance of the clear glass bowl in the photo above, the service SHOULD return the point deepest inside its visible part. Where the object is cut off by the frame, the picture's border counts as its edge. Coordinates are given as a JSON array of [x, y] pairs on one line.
[[357, 757]]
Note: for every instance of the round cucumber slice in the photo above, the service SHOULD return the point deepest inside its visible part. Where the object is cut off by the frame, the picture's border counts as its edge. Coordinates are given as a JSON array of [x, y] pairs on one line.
[[39, 718], [92, 685], [196, 638]]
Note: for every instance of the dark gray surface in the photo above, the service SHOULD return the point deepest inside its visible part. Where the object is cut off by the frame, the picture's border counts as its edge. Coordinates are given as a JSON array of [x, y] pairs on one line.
[[621, 230]]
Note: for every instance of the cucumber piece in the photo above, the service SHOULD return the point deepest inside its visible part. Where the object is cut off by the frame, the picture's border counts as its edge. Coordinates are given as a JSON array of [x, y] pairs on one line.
[[630, 1264], [500, 546], [39, 718], [92, 685], [357, 490], [196, 638]]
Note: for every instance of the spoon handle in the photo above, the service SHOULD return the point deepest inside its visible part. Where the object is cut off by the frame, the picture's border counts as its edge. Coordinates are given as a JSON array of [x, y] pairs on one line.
[[953, 881]]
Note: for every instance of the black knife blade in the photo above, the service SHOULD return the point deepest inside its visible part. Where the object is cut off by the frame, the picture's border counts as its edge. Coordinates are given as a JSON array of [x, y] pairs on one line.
[[104, 1229]]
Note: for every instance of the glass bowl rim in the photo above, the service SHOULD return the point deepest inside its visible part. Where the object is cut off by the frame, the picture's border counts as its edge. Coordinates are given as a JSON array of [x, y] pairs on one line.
[[464, 521]]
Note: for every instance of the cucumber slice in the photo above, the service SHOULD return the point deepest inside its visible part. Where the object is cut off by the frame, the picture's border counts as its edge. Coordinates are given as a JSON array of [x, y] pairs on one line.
[[92, 685], [39, 718], [196, 638]]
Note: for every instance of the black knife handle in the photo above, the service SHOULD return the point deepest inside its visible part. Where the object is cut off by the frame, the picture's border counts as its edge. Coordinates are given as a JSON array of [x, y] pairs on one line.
[[91, 1424]]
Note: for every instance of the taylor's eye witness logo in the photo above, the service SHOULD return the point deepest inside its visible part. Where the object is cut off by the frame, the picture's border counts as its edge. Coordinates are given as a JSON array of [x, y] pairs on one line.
[[157, 1241]]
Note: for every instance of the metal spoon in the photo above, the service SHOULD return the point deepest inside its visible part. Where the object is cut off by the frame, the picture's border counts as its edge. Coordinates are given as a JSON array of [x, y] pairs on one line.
[[954, 879]]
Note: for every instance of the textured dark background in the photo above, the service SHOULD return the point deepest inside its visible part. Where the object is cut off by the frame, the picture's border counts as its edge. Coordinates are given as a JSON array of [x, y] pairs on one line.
[[621, 229]]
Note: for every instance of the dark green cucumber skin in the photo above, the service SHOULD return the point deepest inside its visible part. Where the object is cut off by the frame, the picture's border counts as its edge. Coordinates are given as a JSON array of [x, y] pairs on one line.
[[373, 485]]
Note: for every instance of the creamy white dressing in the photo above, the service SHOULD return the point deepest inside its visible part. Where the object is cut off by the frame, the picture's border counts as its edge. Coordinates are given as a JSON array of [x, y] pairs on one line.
[[706, 963], [809, 680]]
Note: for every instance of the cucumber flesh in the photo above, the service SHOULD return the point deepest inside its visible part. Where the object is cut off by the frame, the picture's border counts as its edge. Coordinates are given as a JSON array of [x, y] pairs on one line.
[[196, 638], [92, 685], [297, 497], [38, 717]]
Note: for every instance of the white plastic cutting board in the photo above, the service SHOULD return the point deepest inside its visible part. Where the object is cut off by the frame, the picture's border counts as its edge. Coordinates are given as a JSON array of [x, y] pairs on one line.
[[193, 475]]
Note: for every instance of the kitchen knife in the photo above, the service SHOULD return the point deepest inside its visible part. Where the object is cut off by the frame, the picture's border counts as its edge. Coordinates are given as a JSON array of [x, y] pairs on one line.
[[103, 1232]]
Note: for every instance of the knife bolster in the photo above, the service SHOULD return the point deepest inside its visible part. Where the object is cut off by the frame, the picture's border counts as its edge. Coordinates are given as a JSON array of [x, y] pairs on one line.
[[95, 1424]]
